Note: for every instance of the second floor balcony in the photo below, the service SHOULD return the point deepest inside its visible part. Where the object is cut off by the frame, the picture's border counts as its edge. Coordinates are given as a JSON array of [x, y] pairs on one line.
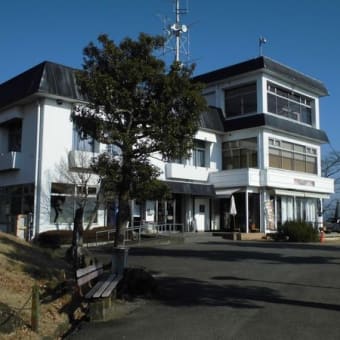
[[187, 172], [272, 178]]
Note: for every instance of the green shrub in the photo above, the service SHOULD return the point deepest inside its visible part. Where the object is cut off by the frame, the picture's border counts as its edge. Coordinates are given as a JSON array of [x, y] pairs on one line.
[[298, 231]]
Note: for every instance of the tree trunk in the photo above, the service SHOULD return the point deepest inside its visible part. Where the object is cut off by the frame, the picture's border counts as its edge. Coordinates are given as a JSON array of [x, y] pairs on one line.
[[77, 239], [122, 218]]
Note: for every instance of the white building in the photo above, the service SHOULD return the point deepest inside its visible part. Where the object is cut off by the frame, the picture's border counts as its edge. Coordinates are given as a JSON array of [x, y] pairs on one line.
[[260, 141]]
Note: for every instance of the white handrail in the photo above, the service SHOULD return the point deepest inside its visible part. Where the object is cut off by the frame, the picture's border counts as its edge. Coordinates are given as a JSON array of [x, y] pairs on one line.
[[142, 228]]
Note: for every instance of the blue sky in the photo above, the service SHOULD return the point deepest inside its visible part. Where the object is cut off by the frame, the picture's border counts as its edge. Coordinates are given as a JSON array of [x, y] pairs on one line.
[[302, 34]]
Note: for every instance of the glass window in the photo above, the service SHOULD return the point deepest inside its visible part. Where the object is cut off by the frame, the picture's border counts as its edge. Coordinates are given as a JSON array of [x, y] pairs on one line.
[[199, 153], [287, 160], [290, 156], [240, 100], [82, 143], [275, 158], [289, 104], [14, 136], [311, 165], [65, 199], [239, 154], [299, 162], [89, 208]]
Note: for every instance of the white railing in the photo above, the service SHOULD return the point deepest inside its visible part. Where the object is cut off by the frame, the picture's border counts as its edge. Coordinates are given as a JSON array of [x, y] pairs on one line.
[[107, 232], [135, 233]]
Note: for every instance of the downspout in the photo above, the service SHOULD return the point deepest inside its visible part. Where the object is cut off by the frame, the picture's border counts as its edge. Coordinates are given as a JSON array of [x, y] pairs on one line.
[[246, 197], [37, 172]]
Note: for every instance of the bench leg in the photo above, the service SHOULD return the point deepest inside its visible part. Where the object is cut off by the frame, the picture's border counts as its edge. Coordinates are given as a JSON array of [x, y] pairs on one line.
[[99, 309]]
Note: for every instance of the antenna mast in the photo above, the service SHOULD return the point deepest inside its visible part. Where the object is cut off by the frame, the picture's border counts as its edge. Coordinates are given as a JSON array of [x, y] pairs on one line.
[[177, 34]]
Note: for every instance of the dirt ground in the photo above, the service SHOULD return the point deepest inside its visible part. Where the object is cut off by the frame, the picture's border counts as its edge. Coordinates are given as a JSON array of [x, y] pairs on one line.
[[24, 265]]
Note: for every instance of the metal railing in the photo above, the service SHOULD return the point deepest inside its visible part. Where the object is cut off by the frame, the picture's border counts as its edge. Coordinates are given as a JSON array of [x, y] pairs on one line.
[[107, 232], [136, 232]]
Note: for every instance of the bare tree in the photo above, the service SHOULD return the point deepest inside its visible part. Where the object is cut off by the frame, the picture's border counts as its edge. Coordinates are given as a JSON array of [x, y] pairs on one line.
[[331, 169], [76, 171]]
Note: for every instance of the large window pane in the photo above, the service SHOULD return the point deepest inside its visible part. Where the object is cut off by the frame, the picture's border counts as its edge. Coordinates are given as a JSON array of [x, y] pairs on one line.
[[239, 154], [14, 136], [89, 209], [241, 100], [84, 143], [300, 162], [311, 165], [306, 115], [62, 209], [65, 199], [199, 153], [287, 103], [290, 156], [287, 160], [272, 106], [275, 158]]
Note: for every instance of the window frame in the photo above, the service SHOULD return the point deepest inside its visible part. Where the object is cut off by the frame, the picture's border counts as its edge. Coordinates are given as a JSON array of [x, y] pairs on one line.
[[240, 155], [289, 104], [88, 144], [67, 195], [14, 136], [199, 153], [300, 154], [238, 95]]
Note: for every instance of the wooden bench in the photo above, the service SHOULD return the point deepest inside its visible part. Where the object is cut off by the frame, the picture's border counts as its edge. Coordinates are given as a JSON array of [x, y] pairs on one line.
[[101, 292], [105, 284]]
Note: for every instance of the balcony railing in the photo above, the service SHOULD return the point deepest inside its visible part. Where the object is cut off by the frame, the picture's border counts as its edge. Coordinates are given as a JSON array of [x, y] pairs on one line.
[[187, 172], [273, 178]]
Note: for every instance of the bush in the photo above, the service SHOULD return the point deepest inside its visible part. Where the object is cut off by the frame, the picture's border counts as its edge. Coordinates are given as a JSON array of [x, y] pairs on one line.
[[298, 231], [55, 238]]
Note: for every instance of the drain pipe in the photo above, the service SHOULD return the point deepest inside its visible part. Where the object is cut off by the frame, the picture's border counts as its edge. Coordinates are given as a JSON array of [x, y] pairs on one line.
[[37, 172]]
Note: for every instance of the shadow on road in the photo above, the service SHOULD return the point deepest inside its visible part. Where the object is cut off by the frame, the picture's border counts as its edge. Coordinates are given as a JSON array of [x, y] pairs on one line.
[[296, 284], [190, 292], [233, 255]]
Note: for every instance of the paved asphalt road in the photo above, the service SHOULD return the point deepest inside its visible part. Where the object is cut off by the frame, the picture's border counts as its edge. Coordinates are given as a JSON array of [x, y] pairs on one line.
[[217, 289]]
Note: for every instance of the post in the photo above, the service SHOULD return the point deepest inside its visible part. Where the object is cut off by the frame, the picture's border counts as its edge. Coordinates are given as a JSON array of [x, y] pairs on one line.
[[35, 315]]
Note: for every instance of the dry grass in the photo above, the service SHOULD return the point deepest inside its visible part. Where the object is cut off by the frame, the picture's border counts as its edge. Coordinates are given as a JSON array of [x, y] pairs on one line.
[[23, 265]]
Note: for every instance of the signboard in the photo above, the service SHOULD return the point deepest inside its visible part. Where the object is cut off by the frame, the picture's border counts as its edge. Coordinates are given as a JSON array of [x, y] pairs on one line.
[[21, 226], [269, 214]]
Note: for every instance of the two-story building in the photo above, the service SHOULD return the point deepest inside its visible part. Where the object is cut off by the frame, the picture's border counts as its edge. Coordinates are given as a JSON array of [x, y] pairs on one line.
[[259, 142]]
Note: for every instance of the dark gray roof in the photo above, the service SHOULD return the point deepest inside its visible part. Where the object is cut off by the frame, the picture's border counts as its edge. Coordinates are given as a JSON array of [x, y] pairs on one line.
[[212, 119], [266, 64], [276, 123], [46, 78]]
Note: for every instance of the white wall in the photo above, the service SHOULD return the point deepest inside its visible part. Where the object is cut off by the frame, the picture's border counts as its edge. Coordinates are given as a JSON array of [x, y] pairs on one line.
[[57, 139], [26, 172]]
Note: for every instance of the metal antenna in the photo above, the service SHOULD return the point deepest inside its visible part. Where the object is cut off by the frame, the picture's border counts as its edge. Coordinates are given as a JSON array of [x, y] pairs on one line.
[[262, 41], [177, 34]]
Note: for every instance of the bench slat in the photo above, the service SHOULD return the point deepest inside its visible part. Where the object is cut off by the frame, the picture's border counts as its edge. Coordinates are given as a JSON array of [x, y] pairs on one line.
[[105, 284], [93, 267], [112, 286], [88, 277], [90, 293]]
